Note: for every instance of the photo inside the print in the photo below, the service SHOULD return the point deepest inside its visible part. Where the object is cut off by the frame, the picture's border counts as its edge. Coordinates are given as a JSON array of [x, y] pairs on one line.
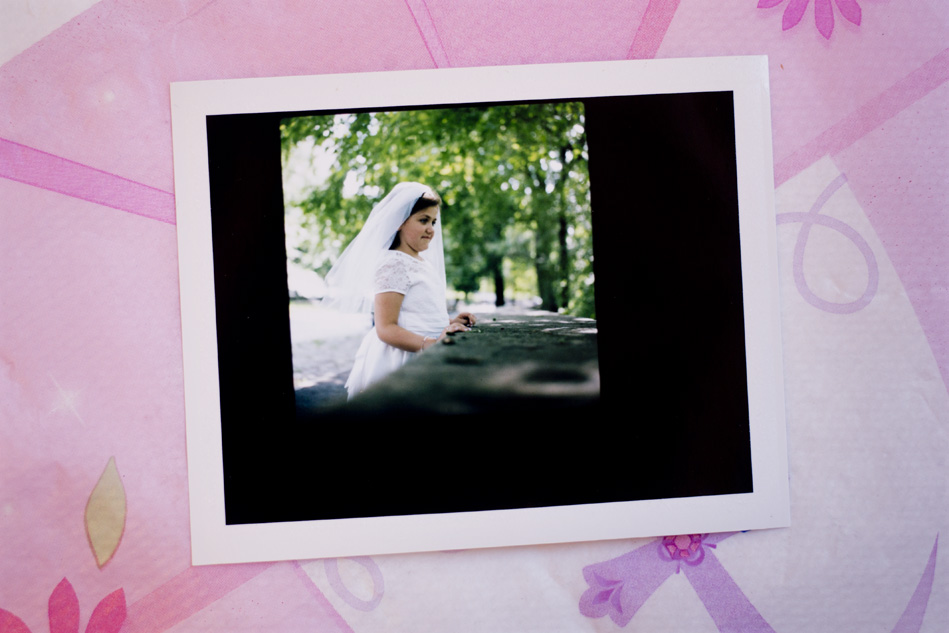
[[518, 248], [611, 220]]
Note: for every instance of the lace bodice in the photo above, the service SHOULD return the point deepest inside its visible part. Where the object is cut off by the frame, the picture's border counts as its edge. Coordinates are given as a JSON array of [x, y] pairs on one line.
[[423, 306]]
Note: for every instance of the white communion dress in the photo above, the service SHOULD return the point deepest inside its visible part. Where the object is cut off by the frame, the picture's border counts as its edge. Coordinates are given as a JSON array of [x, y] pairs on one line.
[[423, 312]]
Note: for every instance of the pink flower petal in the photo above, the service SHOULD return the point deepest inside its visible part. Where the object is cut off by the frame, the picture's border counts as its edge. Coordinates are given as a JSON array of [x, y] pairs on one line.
[[109, 614], [767, 4], [824, 17], [793, 14], [9, 623], [850, 10], [63, 609]]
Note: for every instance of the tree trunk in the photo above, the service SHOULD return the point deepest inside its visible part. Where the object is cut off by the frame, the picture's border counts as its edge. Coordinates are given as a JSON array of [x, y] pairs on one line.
[[564, 257], [498, 287], [546, 285], [497, 272], [544, 239], [561, 190]]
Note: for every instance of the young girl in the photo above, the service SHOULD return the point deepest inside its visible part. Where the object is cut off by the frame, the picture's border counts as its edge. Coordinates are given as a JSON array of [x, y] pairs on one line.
[[395, 267]]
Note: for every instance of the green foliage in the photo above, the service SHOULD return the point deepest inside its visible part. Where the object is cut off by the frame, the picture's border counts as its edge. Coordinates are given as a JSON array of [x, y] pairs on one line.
[[514, 182]]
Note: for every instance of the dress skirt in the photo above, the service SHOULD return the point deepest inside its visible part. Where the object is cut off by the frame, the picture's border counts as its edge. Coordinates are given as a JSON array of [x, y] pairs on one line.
[[376, 360]]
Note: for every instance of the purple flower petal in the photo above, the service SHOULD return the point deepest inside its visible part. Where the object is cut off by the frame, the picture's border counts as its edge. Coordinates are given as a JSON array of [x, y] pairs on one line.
[[615, 602], [602, 597], [767, 4], [850, 10], [605, 582], [793, 14], [824, 17]]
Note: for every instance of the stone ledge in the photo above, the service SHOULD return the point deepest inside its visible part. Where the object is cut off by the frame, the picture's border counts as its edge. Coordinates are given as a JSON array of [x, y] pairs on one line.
[[510, 363]]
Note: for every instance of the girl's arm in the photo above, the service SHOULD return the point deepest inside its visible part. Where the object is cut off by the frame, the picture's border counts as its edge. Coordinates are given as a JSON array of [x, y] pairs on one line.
[[388, 305]]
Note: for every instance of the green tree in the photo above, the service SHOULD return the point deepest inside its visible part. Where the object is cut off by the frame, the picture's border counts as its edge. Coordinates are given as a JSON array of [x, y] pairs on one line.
[[514, 180]]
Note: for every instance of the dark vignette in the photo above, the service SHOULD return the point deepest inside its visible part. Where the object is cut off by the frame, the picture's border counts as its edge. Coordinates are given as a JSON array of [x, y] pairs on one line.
[[673, 415]]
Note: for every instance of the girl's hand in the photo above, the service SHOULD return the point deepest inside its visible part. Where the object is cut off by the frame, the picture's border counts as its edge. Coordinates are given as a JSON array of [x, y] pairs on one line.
[[465, 318], [453, 327], [428, 341]]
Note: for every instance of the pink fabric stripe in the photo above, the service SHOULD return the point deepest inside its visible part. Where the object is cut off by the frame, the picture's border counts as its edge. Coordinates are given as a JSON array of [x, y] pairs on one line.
[[54, 173], [186, 594], [867, 118], [324, 605], [426, 28], [652, 28]]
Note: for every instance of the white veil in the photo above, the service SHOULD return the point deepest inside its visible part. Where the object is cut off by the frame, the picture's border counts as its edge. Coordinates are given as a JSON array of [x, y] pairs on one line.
[[351, 278]]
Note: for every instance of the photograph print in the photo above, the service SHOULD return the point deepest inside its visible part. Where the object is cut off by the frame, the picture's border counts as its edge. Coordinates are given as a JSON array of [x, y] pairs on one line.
[[447, 311]]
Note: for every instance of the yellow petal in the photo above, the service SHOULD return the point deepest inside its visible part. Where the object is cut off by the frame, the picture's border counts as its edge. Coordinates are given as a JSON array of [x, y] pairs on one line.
[[105, 514]]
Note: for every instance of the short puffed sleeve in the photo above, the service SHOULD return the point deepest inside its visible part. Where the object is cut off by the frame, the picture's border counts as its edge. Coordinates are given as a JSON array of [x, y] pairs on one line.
[[392, 274]]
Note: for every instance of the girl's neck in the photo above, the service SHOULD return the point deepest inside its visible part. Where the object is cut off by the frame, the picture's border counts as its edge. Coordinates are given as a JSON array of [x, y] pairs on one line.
[[402, 248]]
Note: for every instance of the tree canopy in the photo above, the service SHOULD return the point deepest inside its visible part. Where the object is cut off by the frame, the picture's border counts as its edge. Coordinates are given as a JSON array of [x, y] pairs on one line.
[[513, 179]]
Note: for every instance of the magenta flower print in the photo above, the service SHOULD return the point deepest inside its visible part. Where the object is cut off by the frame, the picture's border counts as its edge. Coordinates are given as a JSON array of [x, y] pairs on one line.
[[619, 587], [823, 13], [685, 548], [107, 617]]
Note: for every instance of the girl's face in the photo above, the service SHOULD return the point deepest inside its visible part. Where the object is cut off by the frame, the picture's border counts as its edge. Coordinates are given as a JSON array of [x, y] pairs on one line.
[[416, 233]]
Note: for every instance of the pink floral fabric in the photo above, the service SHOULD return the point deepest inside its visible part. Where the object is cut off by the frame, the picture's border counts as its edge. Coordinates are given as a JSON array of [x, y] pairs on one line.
[[823, 13], [90, 338]]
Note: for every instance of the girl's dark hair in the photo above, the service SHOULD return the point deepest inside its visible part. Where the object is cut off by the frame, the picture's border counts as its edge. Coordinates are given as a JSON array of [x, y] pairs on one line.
[[425, 202]]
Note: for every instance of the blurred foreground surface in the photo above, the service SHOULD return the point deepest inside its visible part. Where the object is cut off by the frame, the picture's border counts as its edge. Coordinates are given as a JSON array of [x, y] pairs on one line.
[[511, 360]]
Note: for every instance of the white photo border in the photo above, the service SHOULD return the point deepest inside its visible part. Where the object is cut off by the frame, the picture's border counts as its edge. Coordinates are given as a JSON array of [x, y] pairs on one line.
[[214, 541]]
